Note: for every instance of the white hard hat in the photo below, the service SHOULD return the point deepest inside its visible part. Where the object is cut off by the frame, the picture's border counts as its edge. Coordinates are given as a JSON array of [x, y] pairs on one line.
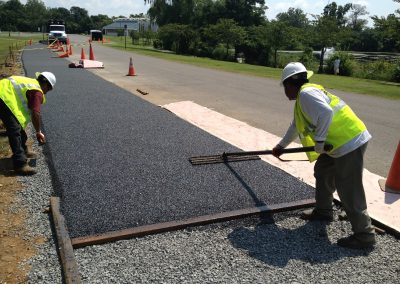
[[49, 76], [294, 68]]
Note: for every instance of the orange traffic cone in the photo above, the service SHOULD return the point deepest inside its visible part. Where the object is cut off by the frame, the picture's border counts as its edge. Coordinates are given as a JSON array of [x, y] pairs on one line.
[[83, 56], [91, 55], [68, 43], [70, 50], [392, 183], [131, 71]]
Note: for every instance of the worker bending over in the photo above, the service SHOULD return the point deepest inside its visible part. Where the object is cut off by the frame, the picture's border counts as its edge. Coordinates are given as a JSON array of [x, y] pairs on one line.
[[20, 101], [322, 118]]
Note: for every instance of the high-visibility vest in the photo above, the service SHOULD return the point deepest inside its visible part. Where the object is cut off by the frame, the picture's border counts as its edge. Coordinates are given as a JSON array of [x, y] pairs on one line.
[[344, 127], [13, 94]]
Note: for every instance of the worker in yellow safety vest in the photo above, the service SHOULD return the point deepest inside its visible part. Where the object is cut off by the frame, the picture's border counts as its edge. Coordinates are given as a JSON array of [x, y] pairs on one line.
[[20, 101], [322, 118]]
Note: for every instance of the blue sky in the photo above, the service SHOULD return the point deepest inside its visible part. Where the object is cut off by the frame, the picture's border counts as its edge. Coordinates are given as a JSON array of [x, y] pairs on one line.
[[126, 7]]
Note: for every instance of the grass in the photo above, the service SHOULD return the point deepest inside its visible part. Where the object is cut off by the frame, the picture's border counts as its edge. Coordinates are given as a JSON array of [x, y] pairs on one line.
[[16, 41], [348, 84]]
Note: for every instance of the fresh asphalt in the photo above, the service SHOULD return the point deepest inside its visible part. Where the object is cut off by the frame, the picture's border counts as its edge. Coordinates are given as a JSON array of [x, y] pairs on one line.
[[118, 161]]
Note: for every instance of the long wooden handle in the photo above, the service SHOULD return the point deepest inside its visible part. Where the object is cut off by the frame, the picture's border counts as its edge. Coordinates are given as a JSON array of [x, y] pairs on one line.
[[327, 147]]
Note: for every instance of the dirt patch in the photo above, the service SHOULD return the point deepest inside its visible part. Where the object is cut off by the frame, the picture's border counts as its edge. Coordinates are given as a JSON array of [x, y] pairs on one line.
[[16, 245]]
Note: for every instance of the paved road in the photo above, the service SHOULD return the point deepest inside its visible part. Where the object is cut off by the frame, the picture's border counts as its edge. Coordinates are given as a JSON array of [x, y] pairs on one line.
[[257, 101]]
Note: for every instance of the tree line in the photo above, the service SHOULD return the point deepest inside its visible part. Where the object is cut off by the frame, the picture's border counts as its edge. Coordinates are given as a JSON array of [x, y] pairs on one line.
[[213, 27], [34, 16]]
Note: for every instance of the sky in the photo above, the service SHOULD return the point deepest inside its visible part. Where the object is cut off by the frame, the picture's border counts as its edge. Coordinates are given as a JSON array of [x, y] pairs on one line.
[[126, 7]]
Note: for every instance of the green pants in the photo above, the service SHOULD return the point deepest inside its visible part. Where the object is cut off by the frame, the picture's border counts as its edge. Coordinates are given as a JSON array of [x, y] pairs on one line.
[[343, 174]]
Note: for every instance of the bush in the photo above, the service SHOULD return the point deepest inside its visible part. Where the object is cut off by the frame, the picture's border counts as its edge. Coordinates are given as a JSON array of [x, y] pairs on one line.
[[376, 70], [157, 44], [307, 57], [396, 73], [219, 52]]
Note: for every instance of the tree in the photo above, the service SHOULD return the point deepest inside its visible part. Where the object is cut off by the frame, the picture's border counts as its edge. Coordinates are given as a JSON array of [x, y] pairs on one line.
[[355, 23], [294, 18], [35, 14], [226, 32], [99, 21], [327, 28], [245, 12], [177, 37], [256, 47], [12, 13], [388, 30], [80, 20], [279, 35]]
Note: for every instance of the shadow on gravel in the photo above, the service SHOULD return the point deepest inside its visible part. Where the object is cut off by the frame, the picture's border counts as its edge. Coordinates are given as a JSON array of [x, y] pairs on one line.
[[6, 167], [276, 246]]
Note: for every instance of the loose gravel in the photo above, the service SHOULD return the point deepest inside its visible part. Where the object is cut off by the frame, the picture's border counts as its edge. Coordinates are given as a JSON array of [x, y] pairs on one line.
[[246, 251]]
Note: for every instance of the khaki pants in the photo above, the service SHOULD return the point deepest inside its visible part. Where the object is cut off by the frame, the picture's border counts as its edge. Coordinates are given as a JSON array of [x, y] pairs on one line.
[[343, 174]]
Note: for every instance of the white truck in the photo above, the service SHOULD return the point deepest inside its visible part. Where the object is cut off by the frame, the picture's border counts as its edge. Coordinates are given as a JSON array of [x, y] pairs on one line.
[[56, 30]]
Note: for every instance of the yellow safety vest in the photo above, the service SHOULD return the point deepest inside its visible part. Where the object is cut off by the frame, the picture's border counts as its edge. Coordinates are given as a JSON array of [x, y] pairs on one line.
[[344, 127], [13, 94]]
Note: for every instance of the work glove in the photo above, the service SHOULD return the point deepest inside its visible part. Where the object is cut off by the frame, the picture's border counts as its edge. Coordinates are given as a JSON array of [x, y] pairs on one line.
[[319, 147], [40, 137], [277, 150]]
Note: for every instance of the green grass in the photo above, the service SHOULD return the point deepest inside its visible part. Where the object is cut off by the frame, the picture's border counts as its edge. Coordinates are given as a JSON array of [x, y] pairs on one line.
[[347, 84], [15, 40]]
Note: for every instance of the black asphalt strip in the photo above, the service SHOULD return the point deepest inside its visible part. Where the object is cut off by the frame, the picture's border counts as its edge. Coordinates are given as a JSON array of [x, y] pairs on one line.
[[119, 162]]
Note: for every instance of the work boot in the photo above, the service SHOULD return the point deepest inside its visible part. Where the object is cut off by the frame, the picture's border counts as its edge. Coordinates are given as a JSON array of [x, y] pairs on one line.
[[25, 170], [30, 154], [358, 241], [315, 215]]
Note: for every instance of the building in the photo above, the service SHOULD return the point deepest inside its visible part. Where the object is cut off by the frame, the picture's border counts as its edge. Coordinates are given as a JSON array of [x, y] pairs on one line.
[[131, 24]]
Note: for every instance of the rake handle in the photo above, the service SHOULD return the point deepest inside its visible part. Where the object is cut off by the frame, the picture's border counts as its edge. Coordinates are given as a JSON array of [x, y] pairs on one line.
[[327, 147]]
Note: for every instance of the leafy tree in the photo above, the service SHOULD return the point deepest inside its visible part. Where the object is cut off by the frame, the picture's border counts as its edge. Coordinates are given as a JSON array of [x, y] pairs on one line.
[[35, 15], [328, 26], [245, 12], [177, 37], [80, 20], [12, 13], [256, 47], [99, 21], [294, 18], [279, 36], [355, 23], [226, 32], [388, 29]]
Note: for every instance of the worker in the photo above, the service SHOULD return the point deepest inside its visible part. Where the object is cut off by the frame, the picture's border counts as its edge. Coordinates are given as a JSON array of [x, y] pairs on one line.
[[336, 65], [20, 101], [321, 118]]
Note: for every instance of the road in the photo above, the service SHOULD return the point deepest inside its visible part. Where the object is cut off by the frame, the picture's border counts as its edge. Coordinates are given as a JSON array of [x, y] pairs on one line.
[[257, 101]]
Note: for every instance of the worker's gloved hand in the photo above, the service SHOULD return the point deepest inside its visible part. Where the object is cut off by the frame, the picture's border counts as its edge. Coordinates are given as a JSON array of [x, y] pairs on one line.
[[277, 150], [40, 137], [319, 147]]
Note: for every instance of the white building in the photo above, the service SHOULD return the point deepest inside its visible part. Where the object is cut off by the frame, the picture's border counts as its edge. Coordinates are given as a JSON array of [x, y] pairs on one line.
[[131, 24]]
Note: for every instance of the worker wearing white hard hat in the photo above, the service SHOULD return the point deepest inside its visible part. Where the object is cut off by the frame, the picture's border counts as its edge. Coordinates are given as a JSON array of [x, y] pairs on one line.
[[20, 102], [321, 119]]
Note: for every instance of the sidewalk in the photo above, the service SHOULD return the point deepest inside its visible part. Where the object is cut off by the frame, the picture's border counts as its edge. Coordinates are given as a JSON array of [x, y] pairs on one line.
[[383, 207]]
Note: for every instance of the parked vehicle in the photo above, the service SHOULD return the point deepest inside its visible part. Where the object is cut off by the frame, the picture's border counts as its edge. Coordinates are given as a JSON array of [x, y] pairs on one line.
[[96, 35], [56, 30]]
